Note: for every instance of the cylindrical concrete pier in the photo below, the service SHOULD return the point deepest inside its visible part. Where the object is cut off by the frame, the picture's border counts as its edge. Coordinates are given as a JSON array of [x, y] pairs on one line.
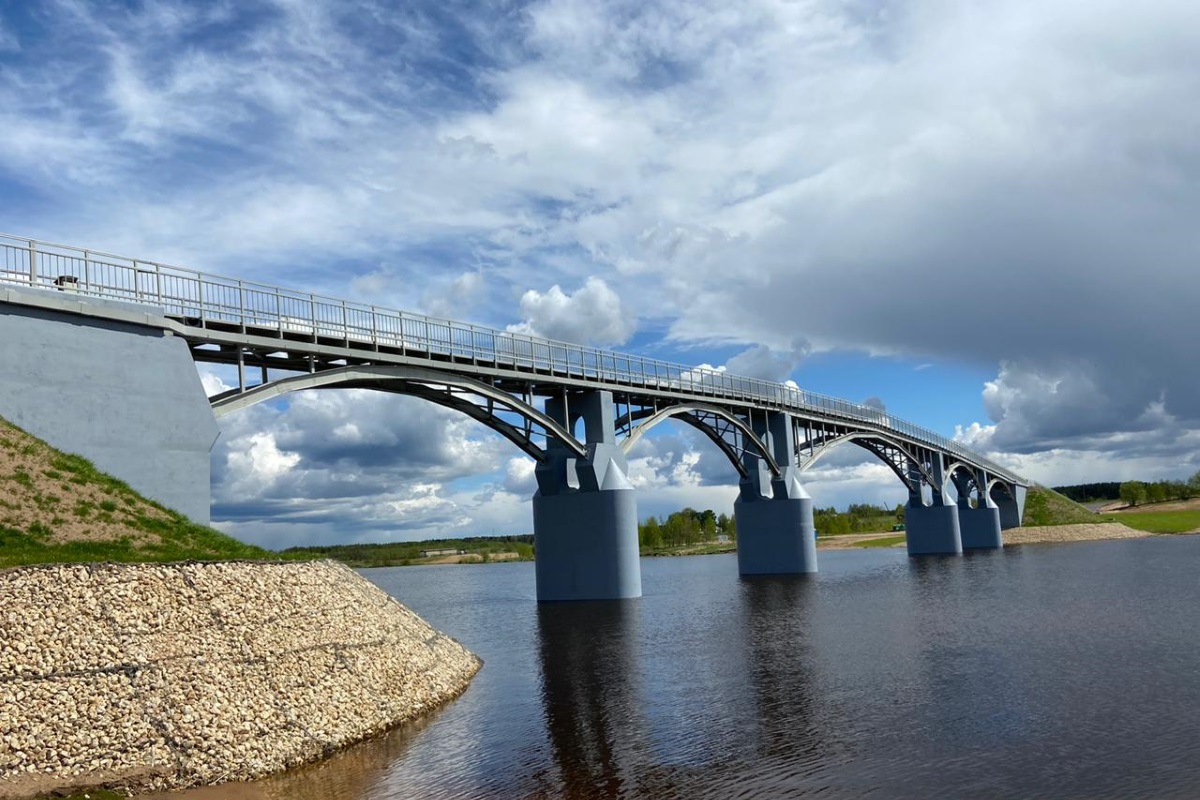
[[587, 546], [932, 530]]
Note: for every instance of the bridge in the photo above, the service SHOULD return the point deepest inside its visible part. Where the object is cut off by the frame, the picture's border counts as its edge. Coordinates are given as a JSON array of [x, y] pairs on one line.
[[576, 410]]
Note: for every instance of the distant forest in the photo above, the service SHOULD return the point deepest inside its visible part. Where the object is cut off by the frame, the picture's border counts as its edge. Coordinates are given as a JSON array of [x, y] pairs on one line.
[[1086, 492], [1133, 492]]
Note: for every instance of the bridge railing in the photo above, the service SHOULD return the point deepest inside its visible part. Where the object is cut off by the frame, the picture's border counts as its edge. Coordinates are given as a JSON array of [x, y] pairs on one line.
[[204, 299]]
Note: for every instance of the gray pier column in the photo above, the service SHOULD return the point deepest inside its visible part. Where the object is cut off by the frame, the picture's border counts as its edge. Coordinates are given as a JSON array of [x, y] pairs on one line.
[[585, 512], [775, 532], [979, 526], [933, 529]]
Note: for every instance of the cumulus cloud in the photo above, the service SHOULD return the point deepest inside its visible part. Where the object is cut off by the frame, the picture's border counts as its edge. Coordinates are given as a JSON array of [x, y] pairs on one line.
[[592, 315], [765, 363]]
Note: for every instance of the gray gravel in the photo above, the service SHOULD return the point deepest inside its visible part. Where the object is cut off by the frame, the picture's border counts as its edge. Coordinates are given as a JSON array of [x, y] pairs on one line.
[[146, 676]]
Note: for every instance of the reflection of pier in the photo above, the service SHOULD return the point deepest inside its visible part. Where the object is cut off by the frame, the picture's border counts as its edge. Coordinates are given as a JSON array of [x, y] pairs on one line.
[[589, 694], [775, 628], [743, 714]]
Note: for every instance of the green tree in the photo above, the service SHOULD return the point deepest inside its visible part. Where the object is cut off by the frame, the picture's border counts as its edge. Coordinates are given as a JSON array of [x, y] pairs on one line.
[[1133, 492], [650, 533]]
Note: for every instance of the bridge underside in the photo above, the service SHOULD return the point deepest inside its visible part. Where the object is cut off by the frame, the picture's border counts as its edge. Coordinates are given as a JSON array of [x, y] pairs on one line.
[[584, 512]]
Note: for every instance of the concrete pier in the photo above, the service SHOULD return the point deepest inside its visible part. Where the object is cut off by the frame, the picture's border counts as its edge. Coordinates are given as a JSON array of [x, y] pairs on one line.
[[980, 528], [932, 530], [585, 512], [774, 517]]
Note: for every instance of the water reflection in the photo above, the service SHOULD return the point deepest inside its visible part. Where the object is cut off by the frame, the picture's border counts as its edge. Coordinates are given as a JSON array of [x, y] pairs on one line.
[[775, 630], [588, 657]]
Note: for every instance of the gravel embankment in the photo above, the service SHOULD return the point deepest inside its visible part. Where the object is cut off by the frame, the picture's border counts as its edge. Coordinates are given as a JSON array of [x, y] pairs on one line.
[[146, 676], [1072, 533]]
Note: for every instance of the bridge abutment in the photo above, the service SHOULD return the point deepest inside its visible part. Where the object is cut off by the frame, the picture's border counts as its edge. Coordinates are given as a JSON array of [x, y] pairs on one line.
[[585, 512], [775, 529], [101, 379]]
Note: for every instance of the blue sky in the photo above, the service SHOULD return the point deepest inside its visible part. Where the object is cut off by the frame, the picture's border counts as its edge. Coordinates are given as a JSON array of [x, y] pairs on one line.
[[981, 215]]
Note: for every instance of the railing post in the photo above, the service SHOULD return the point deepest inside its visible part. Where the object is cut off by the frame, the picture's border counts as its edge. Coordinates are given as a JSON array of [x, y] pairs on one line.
[[87, 272], [200, 299], [32, 263], [242, 305]]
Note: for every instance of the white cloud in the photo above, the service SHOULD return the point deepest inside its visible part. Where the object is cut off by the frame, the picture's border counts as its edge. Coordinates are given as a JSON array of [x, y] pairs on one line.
[[592, 315]]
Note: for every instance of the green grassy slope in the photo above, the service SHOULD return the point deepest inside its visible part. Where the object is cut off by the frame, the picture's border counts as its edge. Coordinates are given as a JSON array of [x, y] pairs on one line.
[[1047, 507], [56, 507]]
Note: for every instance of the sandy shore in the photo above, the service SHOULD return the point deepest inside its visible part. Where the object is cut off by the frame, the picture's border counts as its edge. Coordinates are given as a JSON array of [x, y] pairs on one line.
[[1029, 535]]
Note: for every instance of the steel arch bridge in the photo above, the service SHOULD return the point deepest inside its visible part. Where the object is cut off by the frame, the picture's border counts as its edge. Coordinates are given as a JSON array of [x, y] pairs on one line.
[[532, 391]]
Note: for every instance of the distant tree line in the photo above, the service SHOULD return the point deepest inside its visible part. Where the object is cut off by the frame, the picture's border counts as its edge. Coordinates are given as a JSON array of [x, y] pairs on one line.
[[690, 527], [1134, 493], [395, 553], [1089, 492], [686, 527], [857, 518]]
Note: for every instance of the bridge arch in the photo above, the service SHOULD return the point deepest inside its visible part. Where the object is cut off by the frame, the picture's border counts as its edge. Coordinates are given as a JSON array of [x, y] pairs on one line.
[[888, 450], [715, 423], [474, 398]]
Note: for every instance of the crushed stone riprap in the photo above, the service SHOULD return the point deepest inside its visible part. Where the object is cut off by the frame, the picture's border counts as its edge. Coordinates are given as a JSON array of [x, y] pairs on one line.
[[161, 676]]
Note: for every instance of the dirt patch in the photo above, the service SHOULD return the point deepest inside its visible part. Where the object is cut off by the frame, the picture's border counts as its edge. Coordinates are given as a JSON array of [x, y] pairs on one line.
[[470, 558], [848, 541]]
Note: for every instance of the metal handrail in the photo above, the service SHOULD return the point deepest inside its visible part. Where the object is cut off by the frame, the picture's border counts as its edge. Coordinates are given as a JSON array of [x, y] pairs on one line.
[[203, 298]]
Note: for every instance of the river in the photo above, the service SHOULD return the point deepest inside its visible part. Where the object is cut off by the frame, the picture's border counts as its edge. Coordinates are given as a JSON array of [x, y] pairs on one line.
[[1055, 671]]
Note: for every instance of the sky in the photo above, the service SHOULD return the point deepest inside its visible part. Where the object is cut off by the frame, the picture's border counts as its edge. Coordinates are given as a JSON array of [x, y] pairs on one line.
[[981, 215]]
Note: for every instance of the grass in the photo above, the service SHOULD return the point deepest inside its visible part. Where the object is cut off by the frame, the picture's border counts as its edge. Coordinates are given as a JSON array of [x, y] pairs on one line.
[[136, 529], [1047, 507], [1160, 521]]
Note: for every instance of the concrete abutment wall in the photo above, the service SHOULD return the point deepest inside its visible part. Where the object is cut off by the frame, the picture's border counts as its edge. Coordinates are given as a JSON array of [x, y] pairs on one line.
[[123, 394]]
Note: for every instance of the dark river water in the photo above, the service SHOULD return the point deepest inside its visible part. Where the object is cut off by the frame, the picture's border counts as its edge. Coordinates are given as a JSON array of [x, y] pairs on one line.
[[1056, 671]]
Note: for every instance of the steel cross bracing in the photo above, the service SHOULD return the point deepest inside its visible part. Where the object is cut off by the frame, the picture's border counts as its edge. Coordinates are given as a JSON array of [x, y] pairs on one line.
[[268, 328]]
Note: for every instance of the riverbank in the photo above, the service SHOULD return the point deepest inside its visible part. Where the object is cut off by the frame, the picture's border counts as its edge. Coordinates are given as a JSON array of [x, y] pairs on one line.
[[1083, 532], [159, 676]]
